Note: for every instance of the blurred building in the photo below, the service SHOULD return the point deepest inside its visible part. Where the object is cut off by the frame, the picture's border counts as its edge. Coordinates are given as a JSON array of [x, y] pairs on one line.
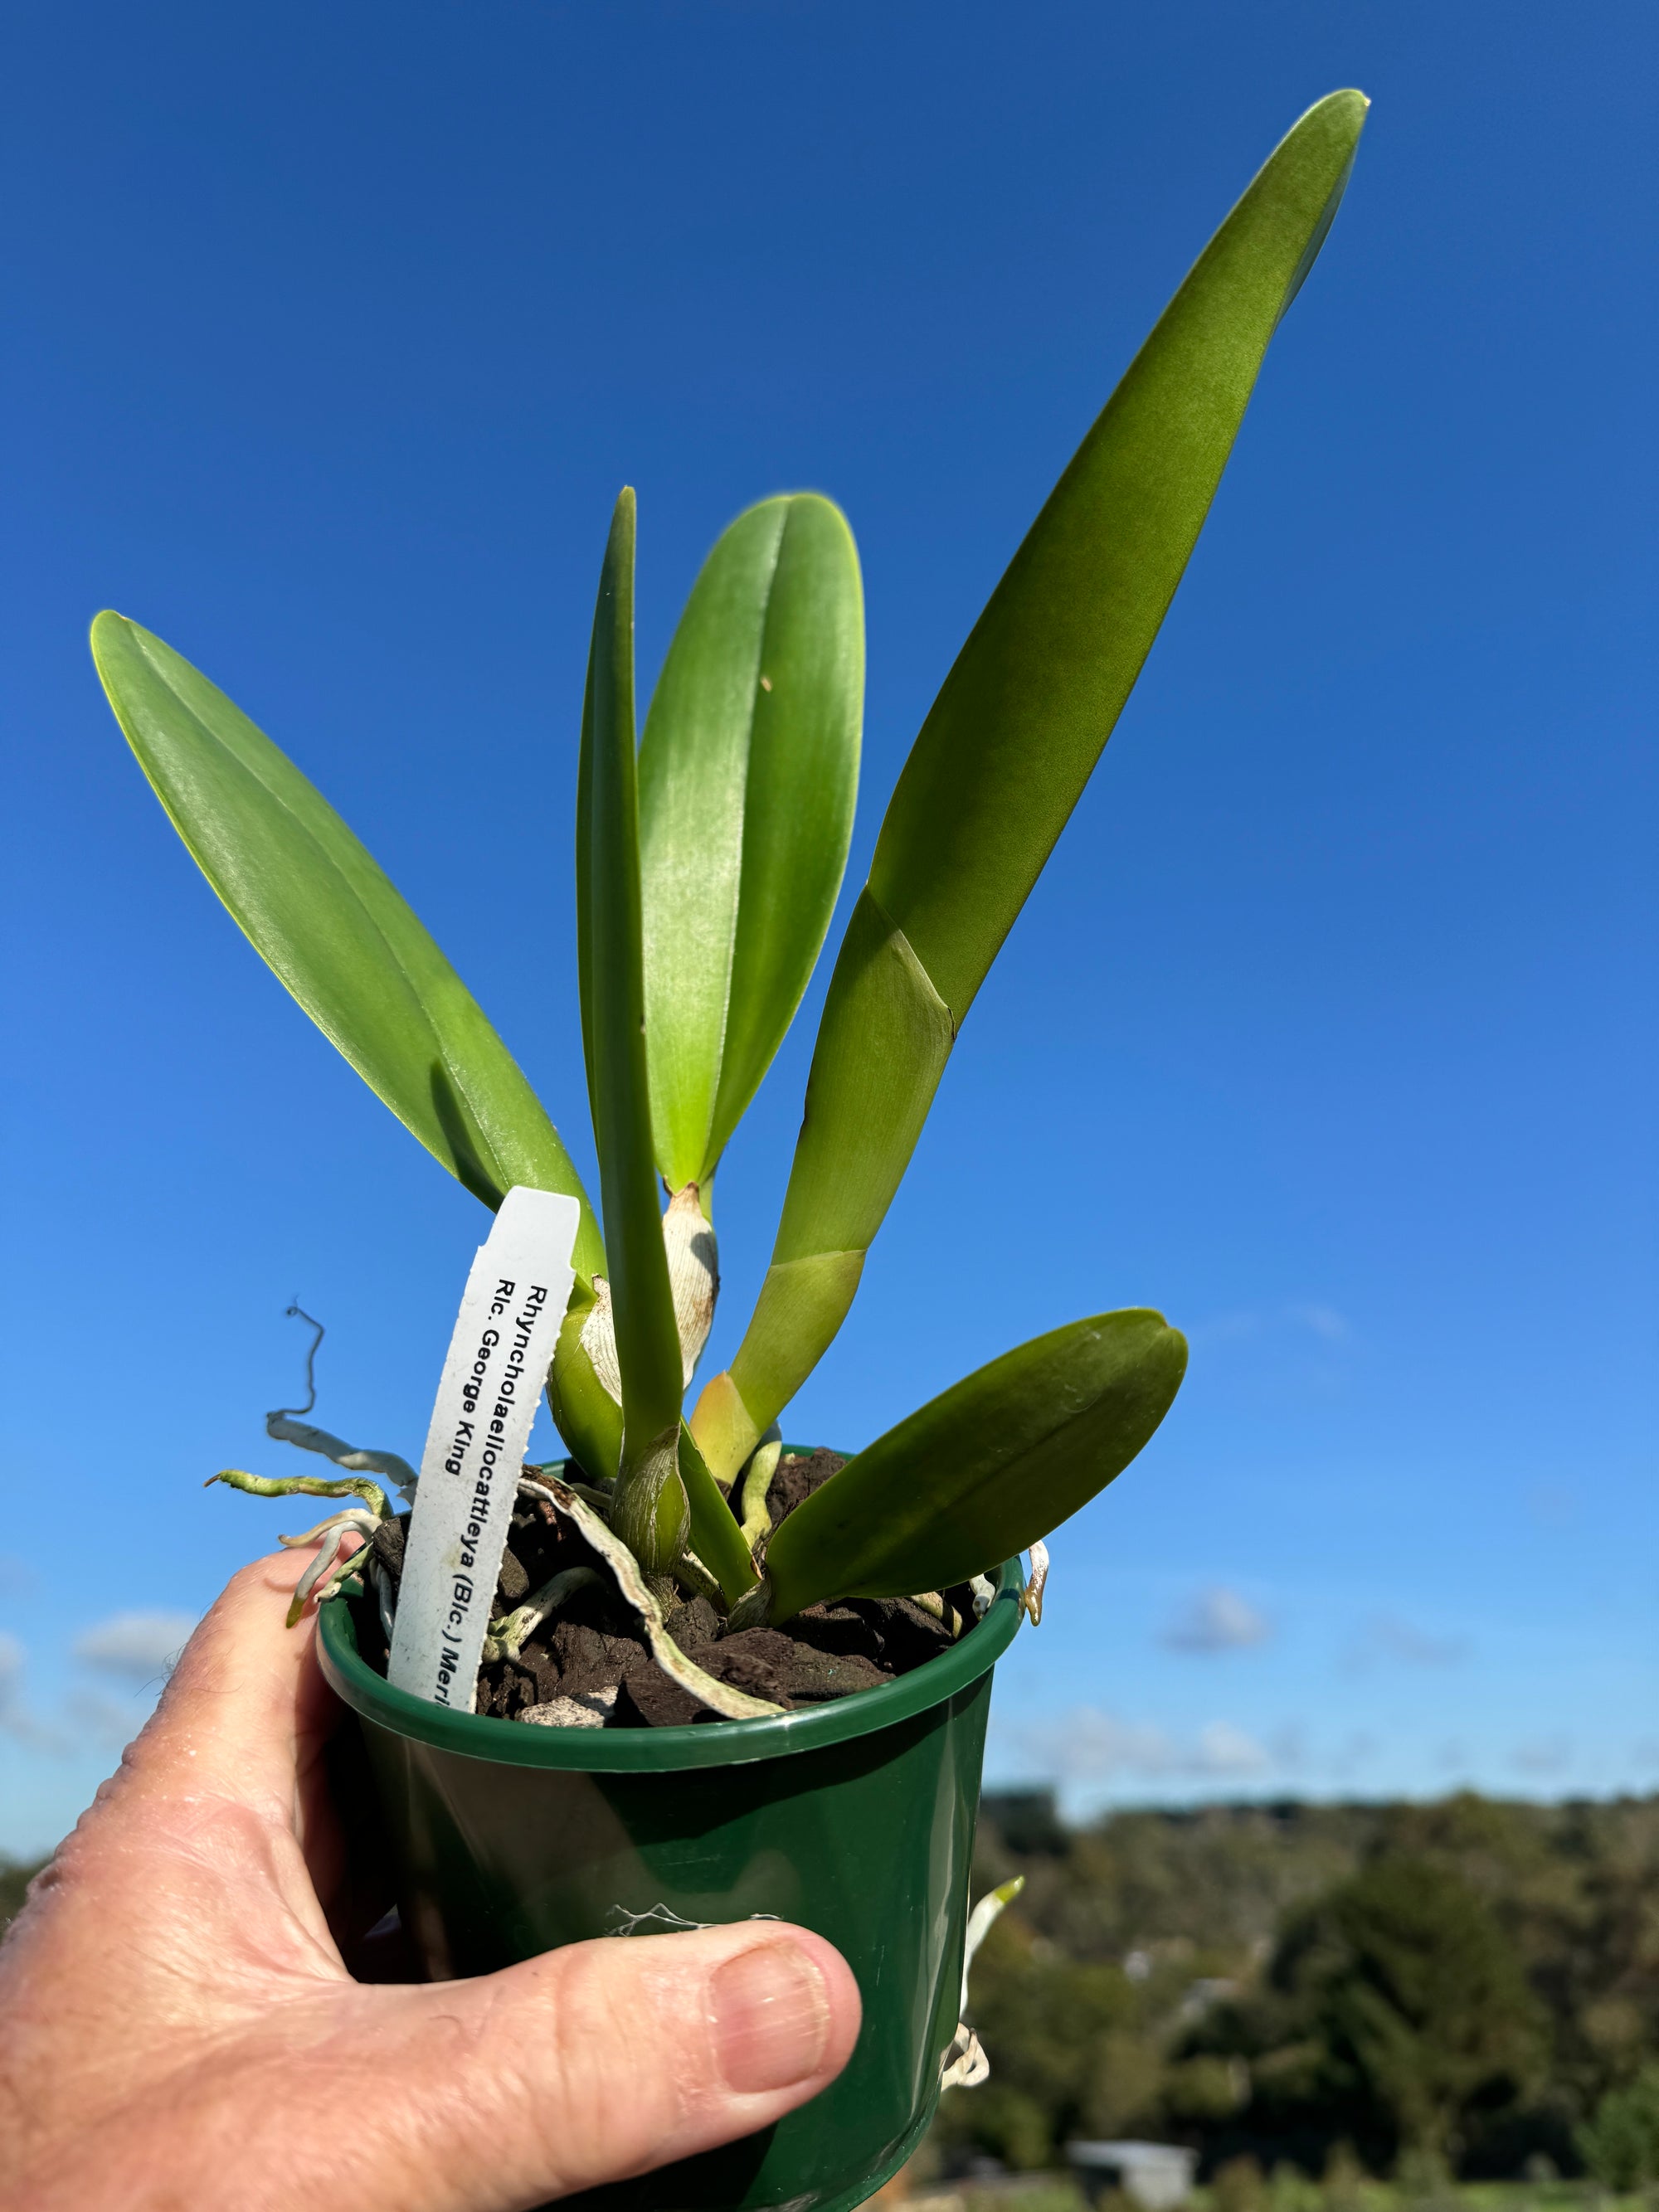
[[1157, 2176]]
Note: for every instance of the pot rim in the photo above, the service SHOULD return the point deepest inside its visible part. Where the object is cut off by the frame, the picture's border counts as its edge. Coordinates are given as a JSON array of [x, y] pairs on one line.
[[612, 1751]]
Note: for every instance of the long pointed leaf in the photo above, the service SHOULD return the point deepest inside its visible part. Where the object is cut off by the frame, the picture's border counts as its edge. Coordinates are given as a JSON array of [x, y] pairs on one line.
[[333, 927], [748, 775], [651, 1507], [991, 1466], [1006, 750]]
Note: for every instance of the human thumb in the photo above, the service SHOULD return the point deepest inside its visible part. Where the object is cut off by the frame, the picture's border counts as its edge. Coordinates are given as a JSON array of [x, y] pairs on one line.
[[595, 2063]]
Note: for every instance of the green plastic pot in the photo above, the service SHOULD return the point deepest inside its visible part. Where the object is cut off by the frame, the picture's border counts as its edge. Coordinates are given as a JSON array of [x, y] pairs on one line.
[[854, 1819]]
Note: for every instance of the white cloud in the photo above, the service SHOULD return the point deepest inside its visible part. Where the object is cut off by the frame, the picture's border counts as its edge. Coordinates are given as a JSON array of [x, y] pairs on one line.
[[110, 1723], [88, 1715], [15, 1720], [1323, 1321], [1228, 1328], [1089, 1745], [1385, 1635], [1245, 1322], [138, 1645], [1224, 1749], [1217, 1620]]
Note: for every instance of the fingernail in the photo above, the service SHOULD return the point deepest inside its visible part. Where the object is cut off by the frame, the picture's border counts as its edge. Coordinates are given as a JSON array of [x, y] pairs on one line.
[[770, 2014]]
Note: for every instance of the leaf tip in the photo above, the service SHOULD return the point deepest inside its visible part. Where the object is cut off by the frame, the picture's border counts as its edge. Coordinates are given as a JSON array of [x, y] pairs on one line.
[[1172, 1346], [1347, 101], [105, 629]]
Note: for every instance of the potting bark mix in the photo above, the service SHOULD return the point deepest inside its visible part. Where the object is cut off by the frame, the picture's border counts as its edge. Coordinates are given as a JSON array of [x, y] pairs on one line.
[[588, 1665]]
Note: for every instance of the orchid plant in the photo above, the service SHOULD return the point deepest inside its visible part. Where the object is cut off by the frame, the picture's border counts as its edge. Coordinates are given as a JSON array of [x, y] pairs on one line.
[[709, 856]]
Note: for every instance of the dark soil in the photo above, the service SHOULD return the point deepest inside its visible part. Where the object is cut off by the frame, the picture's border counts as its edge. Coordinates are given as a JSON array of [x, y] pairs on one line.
[[594, 1651]]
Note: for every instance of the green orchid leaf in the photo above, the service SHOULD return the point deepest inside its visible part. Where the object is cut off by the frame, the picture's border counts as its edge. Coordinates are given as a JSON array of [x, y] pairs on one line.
[[651, 1500], [748, 775], [332, 927], [1006, 750], [714, 1534], [883, 1044], [991, 1466]]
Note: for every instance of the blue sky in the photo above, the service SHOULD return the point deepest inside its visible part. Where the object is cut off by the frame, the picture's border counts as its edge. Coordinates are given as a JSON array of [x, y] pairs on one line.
[[334, 331]]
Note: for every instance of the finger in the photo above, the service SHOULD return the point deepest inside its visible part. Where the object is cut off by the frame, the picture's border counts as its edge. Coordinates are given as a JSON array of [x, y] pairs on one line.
[[595, 2063], [247, 1711], [212, 1836]]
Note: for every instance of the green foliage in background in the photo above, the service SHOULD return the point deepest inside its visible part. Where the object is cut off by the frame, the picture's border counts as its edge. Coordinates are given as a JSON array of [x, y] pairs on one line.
[[1620, 2143], [709, 859], [1396, 1999], [14, 1879], [1468, 1988]]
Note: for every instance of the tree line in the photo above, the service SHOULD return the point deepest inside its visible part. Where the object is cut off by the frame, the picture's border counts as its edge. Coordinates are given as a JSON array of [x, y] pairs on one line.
[[1471, 1985]]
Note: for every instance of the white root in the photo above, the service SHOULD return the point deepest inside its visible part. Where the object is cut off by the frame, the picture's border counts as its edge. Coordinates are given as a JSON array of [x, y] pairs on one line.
[[965, 2064], [507, 1636], [1032, 1600], [532, 1483], [331, 1565], [353, 1516], [982, 1920], [304, 1485], [984, 1590], [354, 1520], [753, 1485], [398, 1472], [734, 1705]]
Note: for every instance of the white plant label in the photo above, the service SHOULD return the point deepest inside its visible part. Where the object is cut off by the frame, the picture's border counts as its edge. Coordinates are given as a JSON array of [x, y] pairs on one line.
[[498, 1360]]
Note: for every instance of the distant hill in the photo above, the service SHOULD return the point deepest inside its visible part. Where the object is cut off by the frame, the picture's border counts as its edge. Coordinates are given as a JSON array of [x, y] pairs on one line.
[[1464, 1981]]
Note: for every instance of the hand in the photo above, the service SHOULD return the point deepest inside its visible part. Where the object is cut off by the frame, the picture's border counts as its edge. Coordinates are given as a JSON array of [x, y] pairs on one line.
[[178, 2027]]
